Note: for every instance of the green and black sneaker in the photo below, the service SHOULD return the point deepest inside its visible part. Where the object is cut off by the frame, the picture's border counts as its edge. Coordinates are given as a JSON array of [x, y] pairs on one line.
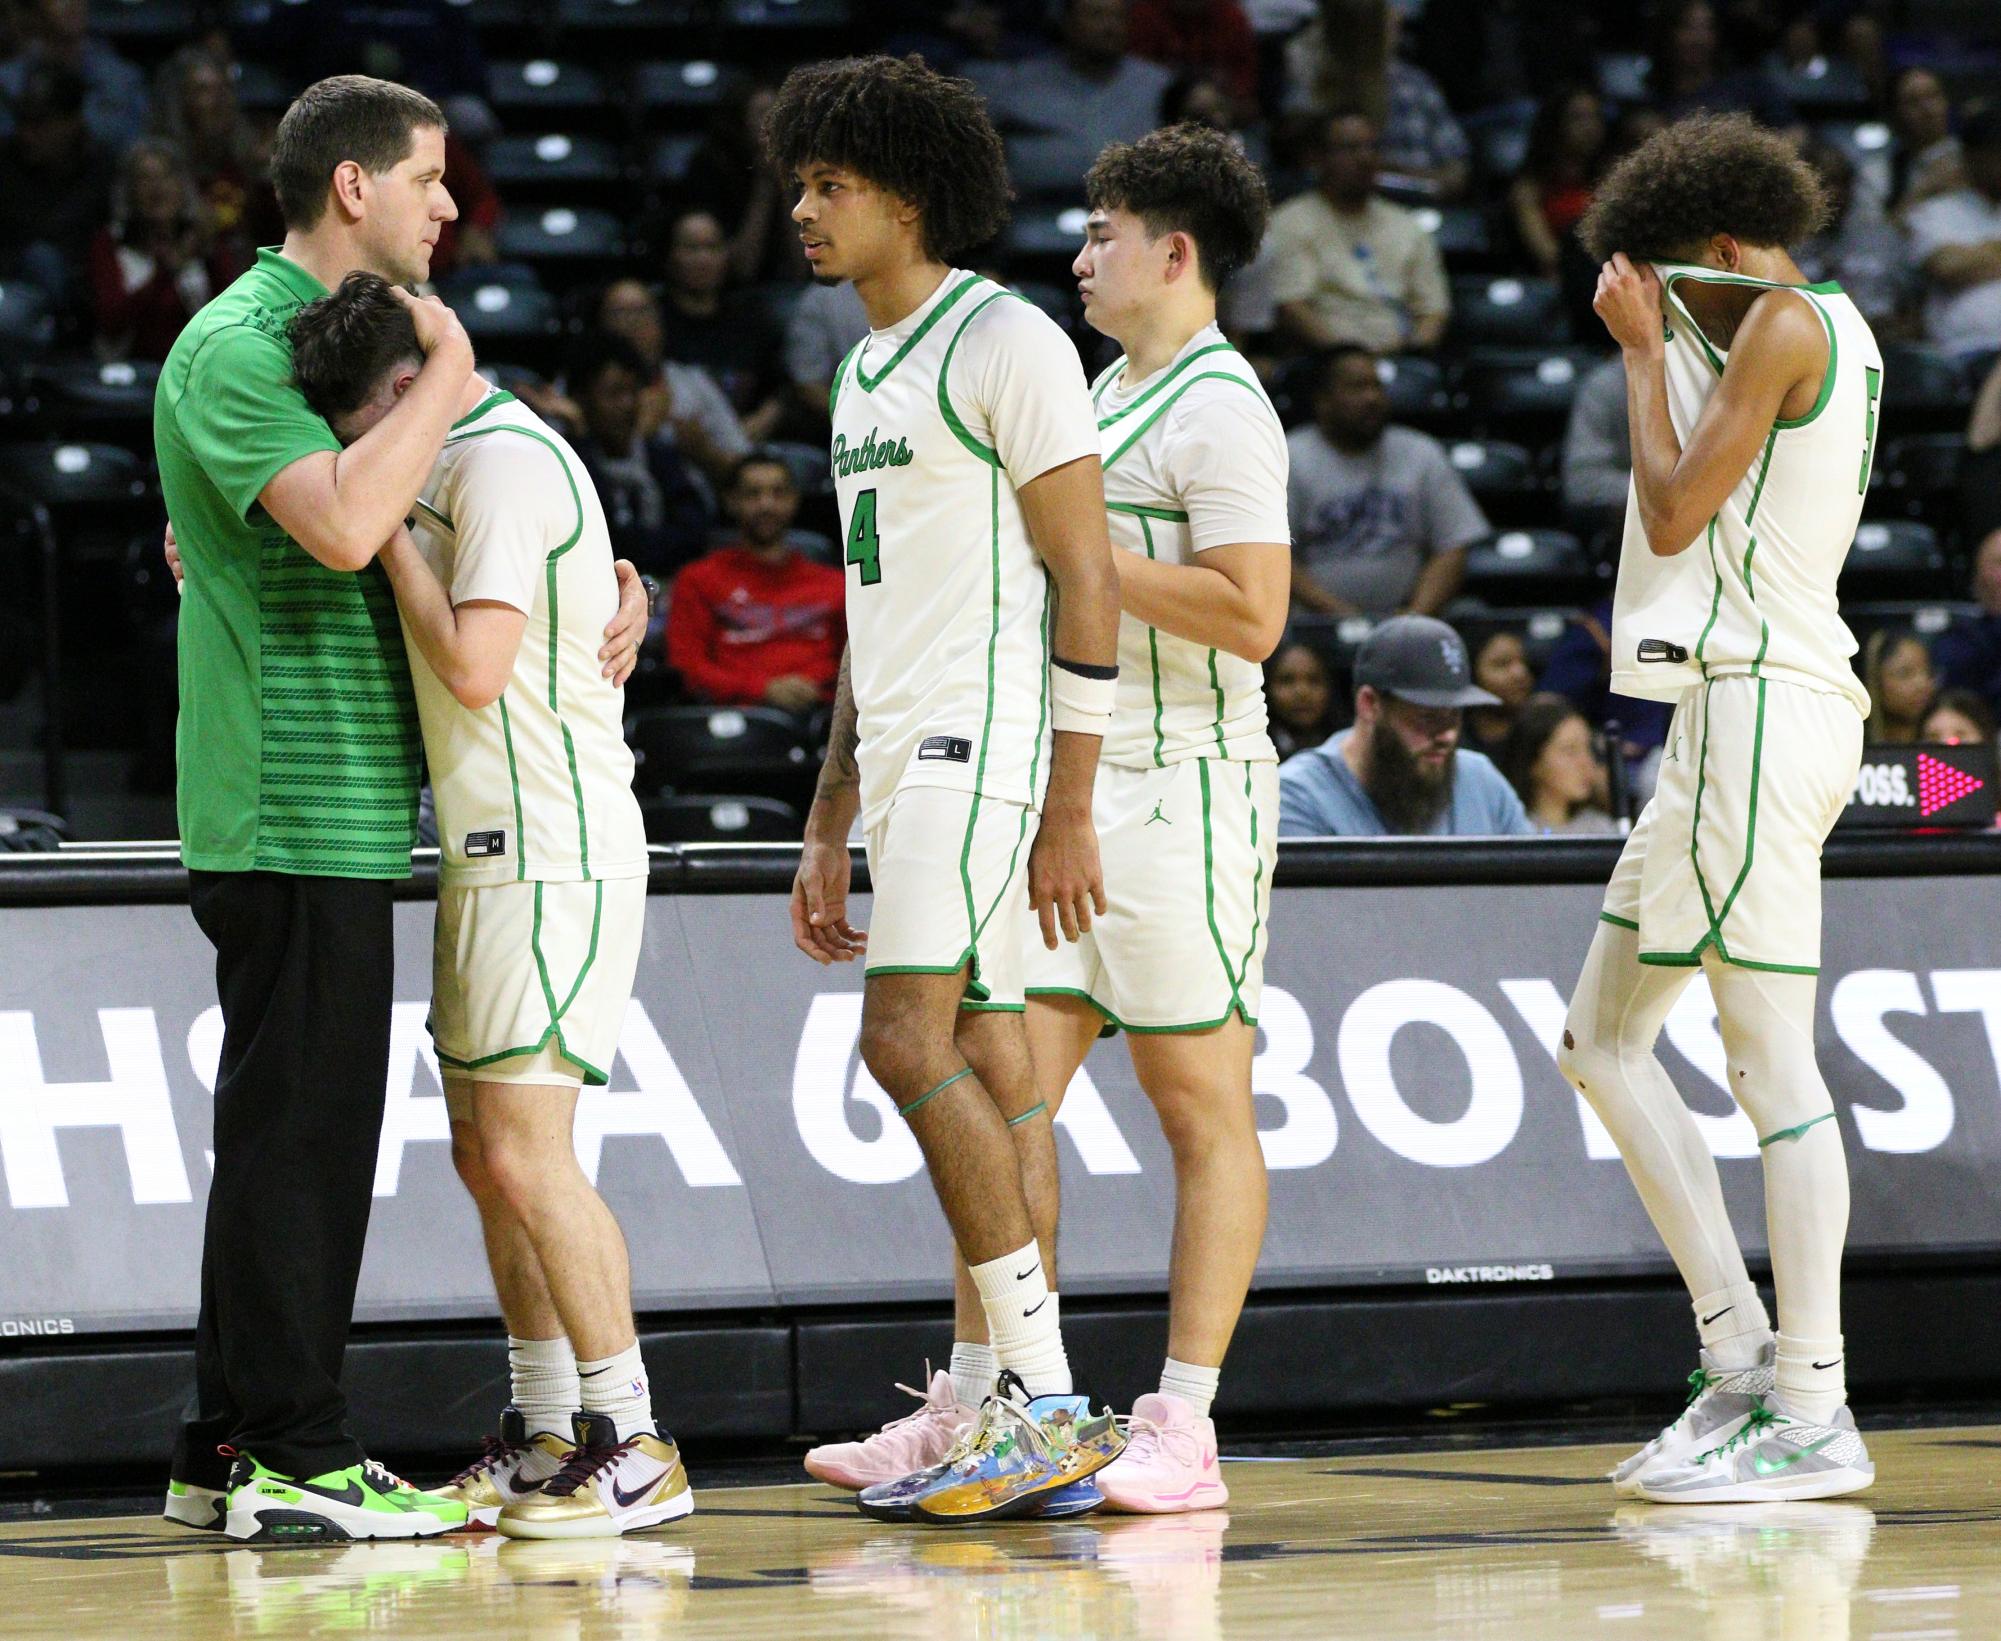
[[365, 1500]]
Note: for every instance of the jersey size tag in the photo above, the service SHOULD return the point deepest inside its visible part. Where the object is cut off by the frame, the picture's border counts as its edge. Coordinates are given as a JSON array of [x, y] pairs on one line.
[[951, 749], [1659, 649], [485, 844]]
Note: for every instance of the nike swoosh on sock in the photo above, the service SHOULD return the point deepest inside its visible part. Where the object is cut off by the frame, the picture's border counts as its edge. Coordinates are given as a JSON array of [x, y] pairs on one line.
[[594, 1372], [1824, 1366], [1025, 1315], [1725, 1311], [1023, 1276]]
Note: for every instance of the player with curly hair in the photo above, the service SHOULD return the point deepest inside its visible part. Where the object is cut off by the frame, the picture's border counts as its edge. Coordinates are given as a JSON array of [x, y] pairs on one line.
[[976, 692], [1754, 398]]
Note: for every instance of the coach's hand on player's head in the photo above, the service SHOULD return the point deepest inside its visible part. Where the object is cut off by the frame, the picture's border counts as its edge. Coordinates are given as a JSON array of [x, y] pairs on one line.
[[820, 926], [1628, 299], [438, 328], [1066, 885]]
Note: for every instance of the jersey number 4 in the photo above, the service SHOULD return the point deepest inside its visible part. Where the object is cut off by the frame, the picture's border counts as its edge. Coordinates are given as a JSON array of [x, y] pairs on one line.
[[864, 545]]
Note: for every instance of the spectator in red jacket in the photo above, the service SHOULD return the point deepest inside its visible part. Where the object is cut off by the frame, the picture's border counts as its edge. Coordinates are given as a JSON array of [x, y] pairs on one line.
[[157, 262], [757, 623]]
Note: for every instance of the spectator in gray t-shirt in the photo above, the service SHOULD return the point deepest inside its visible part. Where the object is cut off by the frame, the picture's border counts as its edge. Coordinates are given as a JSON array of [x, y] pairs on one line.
[[827, 321], [1380, 521], [1092, 88], [1598, 450]]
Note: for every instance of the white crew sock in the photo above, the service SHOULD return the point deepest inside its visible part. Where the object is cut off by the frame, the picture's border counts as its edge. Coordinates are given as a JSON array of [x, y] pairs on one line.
[[1734, 1327], [544, 1375], [974, 1370], [617, 1388], [1194, 1385], [1024, 1320], [1813, 1385]]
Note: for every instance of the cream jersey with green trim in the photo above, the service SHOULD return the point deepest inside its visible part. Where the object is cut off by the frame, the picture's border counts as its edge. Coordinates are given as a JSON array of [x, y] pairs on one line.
[[1195, 458], [536, 787], [1755, 594], [936, 421]]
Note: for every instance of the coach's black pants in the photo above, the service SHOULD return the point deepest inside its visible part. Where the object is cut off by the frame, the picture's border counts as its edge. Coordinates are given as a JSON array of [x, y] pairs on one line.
[[304, 967]]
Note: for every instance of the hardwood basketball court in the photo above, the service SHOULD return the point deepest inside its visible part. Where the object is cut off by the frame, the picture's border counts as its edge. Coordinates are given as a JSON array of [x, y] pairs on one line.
[[1410, 1542]]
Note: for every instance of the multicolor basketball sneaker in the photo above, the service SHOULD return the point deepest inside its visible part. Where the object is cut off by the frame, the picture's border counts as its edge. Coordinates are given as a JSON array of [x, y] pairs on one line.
[[605, 1487], [1719, 1401], [509, 1468], [364, 1500], [1023, 1452], [1773, 1455]]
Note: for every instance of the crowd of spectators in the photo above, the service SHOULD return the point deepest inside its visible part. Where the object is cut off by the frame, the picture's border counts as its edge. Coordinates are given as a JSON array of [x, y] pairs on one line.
[[1427, 157]]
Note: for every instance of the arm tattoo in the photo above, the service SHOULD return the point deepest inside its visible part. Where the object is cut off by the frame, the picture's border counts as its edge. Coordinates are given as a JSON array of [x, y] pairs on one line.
[[841, 771]]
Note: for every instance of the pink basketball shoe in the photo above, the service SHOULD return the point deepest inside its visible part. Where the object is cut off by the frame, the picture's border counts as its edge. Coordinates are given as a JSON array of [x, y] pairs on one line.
[[901, 1447], [1169, 1464]]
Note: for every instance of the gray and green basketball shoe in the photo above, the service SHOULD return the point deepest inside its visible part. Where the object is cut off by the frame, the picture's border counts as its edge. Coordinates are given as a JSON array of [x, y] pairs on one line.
[[1719, 1399], [365, 1500], [1773, 1455]]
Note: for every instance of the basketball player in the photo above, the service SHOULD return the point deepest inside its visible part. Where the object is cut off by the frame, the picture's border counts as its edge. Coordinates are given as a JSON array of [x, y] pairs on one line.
[[982, 613], [1753, 397], [1186, 801], [502, 581]]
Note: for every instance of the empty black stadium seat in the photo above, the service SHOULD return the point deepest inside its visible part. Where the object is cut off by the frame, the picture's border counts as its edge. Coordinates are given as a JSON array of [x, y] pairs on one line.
[[1507, 311], [812, 468], [720, 819], [1920, 474], [1500, 137], [1046, 234], [1894, 558], [1824, 86], [1504, 384], [671, 156], [531, 93], [113, 400], [1622, 76], [1493, 468], [261, 89], [1051, 165], [504, 316], [563, 234], [554, 160], [679, 93], [1461, 232], [789, 16], [720, 749], [64, 474], [1539, 629], [1529, 567]]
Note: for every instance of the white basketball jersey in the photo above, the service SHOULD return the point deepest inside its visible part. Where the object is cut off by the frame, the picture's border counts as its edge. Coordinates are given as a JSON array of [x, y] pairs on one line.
[[936, 421], [1756, 592], [538, 786], [1195, 457]]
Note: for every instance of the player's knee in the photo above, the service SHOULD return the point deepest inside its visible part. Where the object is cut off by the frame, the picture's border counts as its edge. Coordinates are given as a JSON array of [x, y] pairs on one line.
[[887, 1051], [1584, 1063], [469, 1159], [517, 1174]]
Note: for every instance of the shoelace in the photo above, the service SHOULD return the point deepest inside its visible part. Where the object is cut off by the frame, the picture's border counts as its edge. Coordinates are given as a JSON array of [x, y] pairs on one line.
[[493, 1453], [383, 1478], [998, 1418], [1760, 1421], [1145, 1439], [927, 1411], [583, 1464]]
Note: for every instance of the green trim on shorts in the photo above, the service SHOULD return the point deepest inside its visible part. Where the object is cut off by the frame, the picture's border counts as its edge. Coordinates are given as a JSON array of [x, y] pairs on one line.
[[1237, 1009], [593, 1076], [1619, 923], [1676, 960], [977, 996], [1767, 968]]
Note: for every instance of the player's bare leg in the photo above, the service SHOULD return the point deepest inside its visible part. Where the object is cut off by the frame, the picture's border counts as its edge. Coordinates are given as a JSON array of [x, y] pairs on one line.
[[909, 1041], [525, 1305]]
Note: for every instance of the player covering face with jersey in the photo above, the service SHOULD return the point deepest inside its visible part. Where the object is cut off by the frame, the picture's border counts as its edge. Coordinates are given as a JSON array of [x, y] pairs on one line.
[[1753, 397], [982, 614]]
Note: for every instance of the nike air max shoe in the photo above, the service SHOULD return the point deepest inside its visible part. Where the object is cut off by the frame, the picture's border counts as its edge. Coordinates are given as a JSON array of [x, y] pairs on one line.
[[509, 1468], [903, 1446], [196, 1506], [1170, 1463], [1022, 1452], [364, 1500], [1719, 1401], [1773, 1455], [605, 1487]]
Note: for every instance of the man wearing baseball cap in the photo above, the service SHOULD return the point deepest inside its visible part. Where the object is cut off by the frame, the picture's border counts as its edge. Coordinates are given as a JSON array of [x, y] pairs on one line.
[[1400, 772]]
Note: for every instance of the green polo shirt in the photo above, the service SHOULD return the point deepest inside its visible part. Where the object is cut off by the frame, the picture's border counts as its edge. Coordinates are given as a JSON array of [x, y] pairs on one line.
[[298, 748]]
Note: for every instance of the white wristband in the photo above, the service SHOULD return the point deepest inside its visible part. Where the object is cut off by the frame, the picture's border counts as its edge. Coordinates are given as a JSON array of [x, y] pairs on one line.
[[1080, 705]]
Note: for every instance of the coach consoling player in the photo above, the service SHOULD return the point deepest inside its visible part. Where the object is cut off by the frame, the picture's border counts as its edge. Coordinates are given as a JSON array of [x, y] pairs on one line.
[[299, 756]]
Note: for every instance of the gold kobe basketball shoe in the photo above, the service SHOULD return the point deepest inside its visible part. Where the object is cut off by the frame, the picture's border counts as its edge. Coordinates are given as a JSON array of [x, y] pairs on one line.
[[605, 1487], [509, 1469]]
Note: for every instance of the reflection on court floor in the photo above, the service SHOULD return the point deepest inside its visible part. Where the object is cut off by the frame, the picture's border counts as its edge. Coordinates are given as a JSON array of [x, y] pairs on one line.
[[1490, 1545]]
